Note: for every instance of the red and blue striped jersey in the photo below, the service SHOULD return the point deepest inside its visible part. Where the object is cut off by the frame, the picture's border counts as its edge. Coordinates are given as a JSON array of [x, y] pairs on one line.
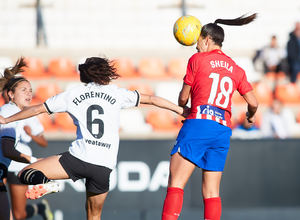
[[213, 77]]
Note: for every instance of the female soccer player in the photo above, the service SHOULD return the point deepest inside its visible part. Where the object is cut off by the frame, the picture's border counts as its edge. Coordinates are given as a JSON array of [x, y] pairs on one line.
[[204, 138], [33, 130], [19, 93], [95, 108]]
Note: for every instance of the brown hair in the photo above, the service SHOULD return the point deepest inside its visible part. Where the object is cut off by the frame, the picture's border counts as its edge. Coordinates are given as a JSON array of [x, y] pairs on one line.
[[98, 70], [9, 81], [216, 32]]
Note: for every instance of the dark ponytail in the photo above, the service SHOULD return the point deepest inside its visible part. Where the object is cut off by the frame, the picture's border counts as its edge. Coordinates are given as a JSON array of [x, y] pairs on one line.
[[9, 81], [237, 21], [216, 32]]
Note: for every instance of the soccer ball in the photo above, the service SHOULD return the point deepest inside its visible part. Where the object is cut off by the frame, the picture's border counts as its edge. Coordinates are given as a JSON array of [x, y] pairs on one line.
[[187, 30]]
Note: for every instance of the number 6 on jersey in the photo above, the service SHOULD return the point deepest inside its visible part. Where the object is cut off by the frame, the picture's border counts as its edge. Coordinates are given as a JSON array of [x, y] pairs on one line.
[[95, 121]]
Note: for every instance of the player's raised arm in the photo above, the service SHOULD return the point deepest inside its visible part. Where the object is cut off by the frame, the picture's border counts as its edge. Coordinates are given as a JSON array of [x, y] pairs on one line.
[[184, 95], [27, 112], [161, 102]]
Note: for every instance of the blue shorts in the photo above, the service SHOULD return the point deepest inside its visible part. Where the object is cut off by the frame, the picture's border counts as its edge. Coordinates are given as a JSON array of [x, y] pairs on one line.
[[204, 142]]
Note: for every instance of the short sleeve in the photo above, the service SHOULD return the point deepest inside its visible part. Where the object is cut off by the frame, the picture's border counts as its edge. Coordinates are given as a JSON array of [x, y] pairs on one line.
[[128, 98], [190, 72], [35, 126], [57, 103], [244, 86]]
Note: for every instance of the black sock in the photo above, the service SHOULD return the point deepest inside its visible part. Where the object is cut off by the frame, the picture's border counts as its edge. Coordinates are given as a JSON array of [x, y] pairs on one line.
[[41, 208], [31, 210], [33, 177], [34, 209], [44, 210]]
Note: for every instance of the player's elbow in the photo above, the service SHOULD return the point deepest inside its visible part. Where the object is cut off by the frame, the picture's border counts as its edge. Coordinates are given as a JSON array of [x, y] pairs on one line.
[[146, 99], [183, 99], [154, 100], [251, 100], [253, 104], [182, 102]]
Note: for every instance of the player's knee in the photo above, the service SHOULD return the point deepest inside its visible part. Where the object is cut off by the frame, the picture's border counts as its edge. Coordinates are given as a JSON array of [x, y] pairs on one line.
[[95, 206], [19, 215], [210, 193], [32, 177], [176, 182], [24, 176], [19, 173]]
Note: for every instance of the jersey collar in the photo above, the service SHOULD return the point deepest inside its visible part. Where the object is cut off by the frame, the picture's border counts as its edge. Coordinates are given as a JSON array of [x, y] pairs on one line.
[[12, 103], [217, 51]]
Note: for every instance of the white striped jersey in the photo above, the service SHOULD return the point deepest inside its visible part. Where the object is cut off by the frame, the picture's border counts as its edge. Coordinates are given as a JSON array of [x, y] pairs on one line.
[[11, 130], [22, 146], [95, 110]]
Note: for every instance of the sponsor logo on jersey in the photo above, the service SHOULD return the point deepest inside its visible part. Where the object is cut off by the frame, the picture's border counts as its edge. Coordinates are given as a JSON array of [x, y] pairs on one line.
[[212, 110], [98, 143]]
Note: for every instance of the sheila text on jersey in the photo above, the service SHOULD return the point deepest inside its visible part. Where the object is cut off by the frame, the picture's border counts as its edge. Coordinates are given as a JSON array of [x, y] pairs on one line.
[[93, 94], [98, 143], [222, 64]]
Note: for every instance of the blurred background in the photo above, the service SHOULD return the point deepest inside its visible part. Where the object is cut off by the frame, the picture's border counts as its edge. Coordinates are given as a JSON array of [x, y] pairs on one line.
[[261, 178]]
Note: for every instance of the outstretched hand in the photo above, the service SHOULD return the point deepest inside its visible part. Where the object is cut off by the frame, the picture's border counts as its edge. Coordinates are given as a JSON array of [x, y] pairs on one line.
[[2, 120]]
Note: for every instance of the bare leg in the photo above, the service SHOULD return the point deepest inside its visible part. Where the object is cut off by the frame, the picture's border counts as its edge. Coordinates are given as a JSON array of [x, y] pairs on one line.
[[18, 200], [94, 205], [211, 183], [180, 171], [210, 190]]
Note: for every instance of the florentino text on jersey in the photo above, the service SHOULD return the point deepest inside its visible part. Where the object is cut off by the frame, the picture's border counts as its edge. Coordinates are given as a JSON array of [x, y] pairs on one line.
[[93, 94]]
